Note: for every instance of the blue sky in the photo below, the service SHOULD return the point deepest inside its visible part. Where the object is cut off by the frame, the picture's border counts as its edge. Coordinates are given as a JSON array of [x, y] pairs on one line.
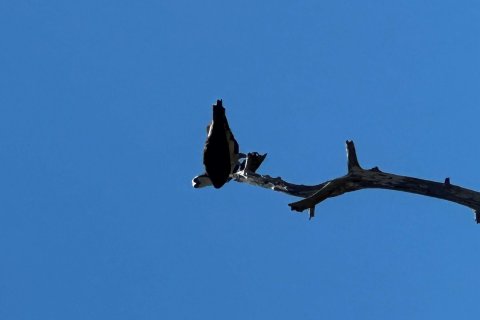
[[103, 110]]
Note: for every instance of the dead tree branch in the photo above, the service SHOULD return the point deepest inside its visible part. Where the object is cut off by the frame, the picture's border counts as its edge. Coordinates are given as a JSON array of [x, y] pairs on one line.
[[356, 178]]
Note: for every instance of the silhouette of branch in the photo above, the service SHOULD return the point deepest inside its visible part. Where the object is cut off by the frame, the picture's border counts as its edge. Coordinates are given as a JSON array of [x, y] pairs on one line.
[[357, 178]]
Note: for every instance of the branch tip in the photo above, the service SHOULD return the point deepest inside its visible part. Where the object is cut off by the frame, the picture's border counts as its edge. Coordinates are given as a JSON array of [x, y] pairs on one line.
[[477, 215], [352, 156], [294, 207]]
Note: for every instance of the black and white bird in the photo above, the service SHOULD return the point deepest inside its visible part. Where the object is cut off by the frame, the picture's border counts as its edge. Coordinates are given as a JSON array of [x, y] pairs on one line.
[[221, 153]]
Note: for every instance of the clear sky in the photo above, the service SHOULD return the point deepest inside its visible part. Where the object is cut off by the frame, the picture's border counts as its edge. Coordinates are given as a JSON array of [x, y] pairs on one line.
[[103, 110]]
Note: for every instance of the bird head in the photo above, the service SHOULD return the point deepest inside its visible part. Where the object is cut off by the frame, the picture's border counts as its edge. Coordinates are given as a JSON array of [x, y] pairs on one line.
[[201, 181]]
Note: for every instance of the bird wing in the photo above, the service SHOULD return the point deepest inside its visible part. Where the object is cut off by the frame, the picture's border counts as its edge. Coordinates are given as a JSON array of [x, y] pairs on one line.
[[233, 148]]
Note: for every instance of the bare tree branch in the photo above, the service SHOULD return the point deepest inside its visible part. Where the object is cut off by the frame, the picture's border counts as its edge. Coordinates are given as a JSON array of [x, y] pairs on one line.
[[357, 178]]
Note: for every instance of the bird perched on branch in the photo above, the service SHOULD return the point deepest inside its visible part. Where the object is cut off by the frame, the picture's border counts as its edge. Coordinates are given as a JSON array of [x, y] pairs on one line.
[[221, 153]]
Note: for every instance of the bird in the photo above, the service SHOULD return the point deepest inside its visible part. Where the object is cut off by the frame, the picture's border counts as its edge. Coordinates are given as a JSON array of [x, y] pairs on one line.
[[221, 152]]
